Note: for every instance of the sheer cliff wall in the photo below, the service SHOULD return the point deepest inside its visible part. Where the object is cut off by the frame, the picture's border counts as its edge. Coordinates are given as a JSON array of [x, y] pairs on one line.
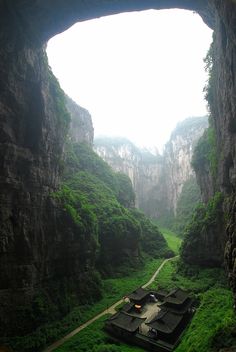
[[157, 179]]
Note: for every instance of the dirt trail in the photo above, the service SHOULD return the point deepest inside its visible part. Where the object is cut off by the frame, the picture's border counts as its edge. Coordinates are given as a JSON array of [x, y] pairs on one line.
[[110, 310]]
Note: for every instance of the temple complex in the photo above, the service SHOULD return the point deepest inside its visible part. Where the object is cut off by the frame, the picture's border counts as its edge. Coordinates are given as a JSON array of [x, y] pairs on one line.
[[154, 320]]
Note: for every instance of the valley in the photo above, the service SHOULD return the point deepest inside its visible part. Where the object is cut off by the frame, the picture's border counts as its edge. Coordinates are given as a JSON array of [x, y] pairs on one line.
[[214, 314], [79, 229]]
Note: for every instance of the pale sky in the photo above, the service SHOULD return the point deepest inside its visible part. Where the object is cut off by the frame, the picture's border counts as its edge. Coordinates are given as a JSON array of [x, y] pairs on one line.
[[137, 73]]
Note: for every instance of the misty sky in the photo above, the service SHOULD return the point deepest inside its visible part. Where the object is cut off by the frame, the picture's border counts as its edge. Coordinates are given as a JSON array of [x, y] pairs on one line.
[[137, 73]]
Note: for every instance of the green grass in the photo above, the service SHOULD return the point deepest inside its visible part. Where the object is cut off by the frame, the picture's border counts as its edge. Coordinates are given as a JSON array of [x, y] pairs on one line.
[[211, 326], [174, 242], [196, 280], [95, 339], [116, 288]]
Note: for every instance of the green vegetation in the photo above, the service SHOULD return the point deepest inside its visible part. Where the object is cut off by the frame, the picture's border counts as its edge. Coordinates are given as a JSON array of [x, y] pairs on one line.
[[100, 201], [125, 194], [208, 89], [207, 219], [205, 155], [192, 278], [110, 238], [173, 241], [211, 328], [59, 100], [214, 322], [94, 339], [113, 289], [187, 202], [119, 287]]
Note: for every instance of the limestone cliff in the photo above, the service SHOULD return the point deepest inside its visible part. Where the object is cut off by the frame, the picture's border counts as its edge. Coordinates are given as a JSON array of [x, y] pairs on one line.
[[178, 155], [121, 155], [143, 168], [81, 125], [157, 180]]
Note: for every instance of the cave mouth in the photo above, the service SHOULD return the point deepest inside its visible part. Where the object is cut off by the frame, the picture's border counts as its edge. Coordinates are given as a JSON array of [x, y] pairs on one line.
[[135, 69]]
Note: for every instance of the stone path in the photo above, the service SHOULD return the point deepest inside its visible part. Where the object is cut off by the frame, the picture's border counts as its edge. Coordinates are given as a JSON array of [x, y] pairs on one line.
[[110, 310]]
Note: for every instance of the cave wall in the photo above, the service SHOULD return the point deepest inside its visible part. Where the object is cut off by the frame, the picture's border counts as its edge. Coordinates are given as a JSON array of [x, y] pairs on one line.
[[38, 245], [224, 119], [32, 236]]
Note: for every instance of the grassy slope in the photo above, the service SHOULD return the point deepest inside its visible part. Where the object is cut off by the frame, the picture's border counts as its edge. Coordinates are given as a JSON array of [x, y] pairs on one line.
[[214, 317], [94, 339], [173, 241]]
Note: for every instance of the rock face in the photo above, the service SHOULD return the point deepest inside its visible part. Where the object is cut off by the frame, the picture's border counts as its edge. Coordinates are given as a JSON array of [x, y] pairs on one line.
[[157, 180], [143, 168], [121, 155], [36, 236], [34, 243], [32, 134], [81, 125], [178, 155], [223, 108]]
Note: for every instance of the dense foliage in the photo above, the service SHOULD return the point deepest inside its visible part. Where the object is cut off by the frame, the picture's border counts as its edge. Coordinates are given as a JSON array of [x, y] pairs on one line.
[[205, 153], [187, 202], [206, 220], [151, 243], [93, 193], [208, 89], [59, 100], [213, 324]]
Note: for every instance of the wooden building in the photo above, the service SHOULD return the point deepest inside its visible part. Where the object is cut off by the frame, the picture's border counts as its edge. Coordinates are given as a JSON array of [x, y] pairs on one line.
[[124, 323], [159, 325], [177, 301], [139, 296], [166, 326]]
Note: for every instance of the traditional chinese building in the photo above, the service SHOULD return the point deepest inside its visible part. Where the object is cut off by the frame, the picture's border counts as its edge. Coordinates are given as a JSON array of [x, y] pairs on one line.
[[158, 324]]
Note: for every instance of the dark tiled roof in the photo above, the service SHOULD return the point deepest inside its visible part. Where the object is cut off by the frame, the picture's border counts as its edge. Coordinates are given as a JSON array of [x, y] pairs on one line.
[[161, 293], [165, 321], [126, 308], [176, 296], [138, 294], [126, 321]]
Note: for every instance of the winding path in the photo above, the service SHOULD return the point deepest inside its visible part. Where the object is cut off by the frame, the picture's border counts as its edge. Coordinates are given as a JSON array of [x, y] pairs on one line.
[[110, 310]]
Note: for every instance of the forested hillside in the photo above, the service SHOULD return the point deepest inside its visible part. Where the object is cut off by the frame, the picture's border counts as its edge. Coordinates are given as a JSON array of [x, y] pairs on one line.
[[101, 205]]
